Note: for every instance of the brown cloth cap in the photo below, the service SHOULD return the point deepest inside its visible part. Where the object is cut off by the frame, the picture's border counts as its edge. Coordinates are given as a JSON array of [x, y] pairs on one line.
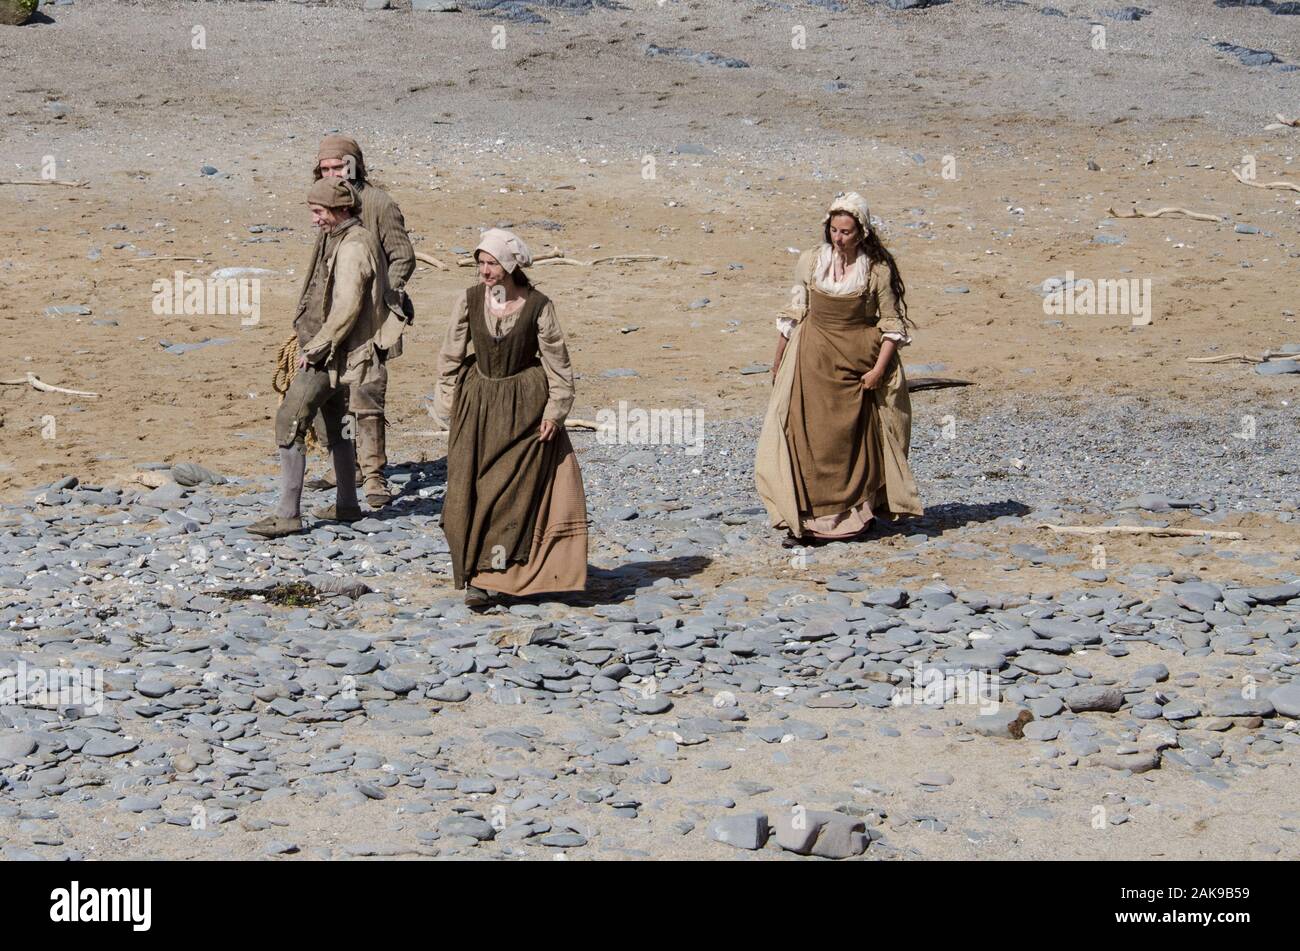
[[332, 193], [342, 147], [337, 147]]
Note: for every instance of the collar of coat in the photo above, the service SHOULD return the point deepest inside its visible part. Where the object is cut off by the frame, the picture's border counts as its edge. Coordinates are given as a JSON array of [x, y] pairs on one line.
[[338, 235]]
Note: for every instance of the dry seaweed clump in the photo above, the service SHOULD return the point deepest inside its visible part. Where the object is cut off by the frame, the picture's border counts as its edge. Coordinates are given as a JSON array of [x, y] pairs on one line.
[[16, 12], [294, 594]]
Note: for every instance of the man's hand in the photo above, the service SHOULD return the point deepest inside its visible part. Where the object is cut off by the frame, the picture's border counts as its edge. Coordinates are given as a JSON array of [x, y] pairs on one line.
[[871, 379], [547, 431]]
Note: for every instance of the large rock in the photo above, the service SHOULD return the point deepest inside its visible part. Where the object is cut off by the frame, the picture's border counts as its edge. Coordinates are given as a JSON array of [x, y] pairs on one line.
[[1085, 699], [1075, 632], [1235, 705], [749, 830], [333, 584], [191, 474], [886, 597], [1007, 722], [1139, 762], [467, 825], [450, 692], [974, 658], [108, 746], [1286, 700], [830, 835], [1148, 501], [15, 746], [1156, 737], [1126, 13], [1275, 593], [170, 495]]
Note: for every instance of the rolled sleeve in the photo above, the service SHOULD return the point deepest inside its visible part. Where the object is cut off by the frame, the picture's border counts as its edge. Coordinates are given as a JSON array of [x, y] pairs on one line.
[[555, 361], [890, 320], [455, 348]]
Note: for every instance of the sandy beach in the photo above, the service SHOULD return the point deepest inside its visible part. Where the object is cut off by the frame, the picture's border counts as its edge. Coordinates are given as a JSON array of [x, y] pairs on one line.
[[999, 147]]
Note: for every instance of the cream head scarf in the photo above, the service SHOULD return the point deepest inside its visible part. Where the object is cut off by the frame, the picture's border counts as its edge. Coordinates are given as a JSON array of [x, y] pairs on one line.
[[507, 247], [851, 203]]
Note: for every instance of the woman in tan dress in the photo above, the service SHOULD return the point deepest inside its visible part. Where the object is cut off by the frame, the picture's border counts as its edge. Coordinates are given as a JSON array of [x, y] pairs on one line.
[[832, 455], [515, 513]]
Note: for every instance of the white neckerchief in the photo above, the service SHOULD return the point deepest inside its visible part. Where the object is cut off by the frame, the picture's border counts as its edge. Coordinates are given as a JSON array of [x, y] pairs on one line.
[[855, 276]]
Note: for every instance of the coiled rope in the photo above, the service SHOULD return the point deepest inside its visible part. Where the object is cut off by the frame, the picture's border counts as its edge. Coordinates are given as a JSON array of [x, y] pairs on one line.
[[286, 368]]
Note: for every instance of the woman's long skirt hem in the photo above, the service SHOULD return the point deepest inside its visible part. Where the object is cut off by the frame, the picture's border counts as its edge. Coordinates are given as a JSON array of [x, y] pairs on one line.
[[774, 467], [557, 559]]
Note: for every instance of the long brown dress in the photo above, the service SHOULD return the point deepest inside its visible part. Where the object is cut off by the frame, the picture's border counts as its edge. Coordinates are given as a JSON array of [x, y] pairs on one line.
[[831, 452], [515, 512], [833, 429]]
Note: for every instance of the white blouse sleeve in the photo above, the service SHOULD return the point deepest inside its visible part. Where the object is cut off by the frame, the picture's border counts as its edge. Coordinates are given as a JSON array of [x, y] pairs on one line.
[[795, 310]]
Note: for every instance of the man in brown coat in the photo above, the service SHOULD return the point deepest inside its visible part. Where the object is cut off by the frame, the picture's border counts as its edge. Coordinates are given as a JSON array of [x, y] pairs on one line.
[[339, 156], [342, 324]]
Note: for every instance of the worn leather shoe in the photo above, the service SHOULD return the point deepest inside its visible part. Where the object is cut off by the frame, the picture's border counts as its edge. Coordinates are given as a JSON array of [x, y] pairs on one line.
[[377, 492], [332, 513], [275, 526]]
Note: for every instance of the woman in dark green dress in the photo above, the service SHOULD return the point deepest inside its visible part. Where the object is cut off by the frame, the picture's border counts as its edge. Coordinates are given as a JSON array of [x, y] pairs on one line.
[[515, 512]]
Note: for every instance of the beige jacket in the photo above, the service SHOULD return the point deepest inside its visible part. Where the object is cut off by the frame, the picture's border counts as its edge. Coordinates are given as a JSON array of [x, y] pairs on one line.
[[355, 311], [381, 216]]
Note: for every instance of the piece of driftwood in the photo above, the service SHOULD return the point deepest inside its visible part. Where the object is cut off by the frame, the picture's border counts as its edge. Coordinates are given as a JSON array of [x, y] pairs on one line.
[[558, 257], [629, 259], [1140, 530], [582, 424], [934, 383], [550, 257], [431, 260], [147, 260], [1283, 123], [1245, 357], [1172, 210], [36, 384], [1291, 185], [44, 181]]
